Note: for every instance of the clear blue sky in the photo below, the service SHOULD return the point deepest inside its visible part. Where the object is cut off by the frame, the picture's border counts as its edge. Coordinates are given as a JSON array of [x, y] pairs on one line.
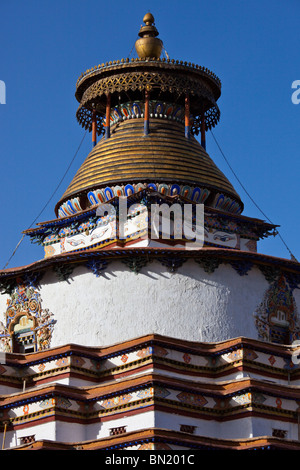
[[252, 46]]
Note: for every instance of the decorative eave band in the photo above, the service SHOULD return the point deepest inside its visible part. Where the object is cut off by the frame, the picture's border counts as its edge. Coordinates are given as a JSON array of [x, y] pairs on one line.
[[140, 76], [91, 75]]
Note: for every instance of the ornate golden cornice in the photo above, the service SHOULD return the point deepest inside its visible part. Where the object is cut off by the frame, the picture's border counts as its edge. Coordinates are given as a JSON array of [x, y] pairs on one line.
[[162, 78], [118, 66]]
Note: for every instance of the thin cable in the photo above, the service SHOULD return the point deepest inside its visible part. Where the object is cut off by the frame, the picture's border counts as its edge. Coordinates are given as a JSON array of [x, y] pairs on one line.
[[51, 197], [250, 197], [63, 177], [132, 47], [165, 51], [14, 251]]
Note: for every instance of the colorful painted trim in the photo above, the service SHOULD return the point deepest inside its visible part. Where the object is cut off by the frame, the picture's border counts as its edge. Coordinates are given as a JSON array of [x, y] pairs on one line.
[[136, 109], [221, 402], [194, 194], [163, 440], [188, 359]]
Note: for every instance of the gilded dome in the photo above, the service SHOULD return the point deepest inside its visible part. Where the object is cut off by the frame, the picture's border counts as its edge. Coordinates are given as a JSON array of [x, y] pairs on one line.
[[161, 159]]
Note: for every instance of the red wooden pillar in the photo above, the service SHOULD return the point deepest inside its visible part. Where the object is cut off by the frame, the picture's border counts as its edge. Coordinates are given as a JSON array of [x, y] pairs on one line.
[[94, 128], [147, 113], [187, 117], [107, 123]]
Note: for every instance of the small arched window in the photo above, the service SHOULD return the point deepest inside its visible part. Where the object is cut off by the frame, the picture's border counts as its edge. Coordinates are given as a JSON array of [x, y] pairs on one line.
[[23, 335]]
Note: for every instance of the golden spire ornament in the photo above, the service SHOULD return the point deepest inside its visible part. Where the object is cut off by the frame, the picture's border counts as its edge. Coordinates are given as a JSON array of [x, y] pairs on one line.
[[148, 45]]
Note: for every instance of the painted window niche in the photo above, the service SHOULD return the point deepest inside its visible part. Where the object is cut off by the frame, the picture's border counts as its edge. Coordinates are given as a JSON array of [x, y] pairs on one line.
[[276, 318], [27, 326]]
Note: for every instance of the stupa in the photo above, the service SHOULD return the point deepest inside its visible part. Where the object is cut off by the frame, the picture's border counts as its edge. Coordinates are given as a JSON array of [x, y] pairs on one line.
[[124, 338]]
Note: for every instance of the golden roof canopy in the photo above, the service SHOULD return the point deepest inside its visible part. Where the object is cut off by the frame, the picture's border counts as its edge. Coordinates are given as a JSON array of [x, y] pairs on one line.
[[163, 159]]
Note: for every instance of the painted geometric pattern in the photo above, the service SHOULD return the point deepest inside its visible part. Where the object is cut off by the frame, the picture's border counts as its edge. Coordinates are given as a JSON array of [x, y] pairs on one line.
[[160, 351], [155, 391], [243, 399], [154, 446], [234, 355], [203, 362], [258, 397], [144, 352], [250, 355], [126, 357], [254, 398], [61, 402], [191, 399], [32, 411], [116, 401], [146, 393], [78, 361]]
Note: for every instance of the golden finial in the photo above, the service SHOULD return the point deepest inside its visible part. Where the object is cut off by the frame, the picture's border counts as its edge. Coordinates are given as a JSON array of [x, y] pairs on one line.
[[149, 45], [148, 19]]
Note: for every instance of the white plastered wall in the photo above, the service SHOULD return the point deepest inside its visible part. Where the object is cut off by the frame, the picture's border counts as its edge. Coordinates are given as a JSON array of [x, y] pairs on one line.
[[120, 305]]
